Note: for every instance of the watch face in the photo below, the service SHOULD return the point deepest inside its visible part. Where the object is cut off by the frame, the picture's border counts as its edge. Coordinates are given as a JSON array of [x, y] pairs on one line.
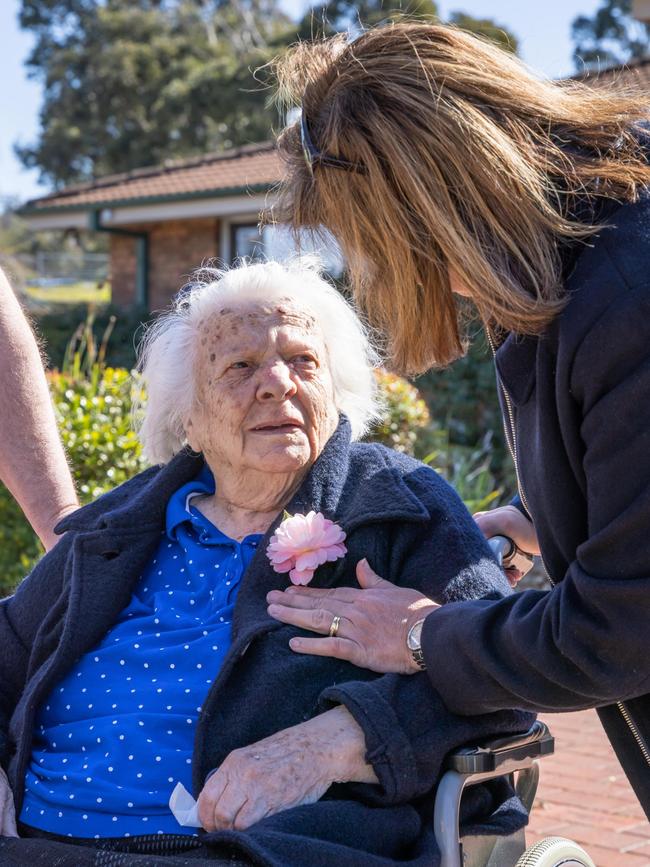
[[413, 639]]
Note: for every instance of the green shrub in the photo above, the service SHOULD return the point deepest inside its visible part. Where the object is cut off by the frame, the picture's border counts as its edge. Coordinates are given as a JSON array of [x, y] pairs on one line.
[[406, 413], [462, 400], [93, 411], [56, 323], [408, 427]]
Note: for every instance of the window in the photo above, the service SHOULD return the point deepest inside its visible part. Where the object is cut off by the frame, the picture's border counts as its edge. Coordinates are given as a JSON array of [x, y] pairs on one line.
[[246, 242], [277, 242]]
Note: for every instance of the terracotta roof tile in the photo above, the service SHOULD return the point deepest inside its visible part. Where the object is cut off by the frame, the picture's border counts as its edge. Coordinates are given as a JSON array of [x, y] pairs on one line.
[[635, 74], [252, 166]]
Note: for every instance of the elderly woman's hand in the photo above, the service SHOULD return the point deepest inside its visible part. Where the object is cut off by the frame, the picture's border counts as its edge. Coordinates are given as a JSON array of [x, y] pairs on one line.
[[7, 811], [373, 626], [295, 766]]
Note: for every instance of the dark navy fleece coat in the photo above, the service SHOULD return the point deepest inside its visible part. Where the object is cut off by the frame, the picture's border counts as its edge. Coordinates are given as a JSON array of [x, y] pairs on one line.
[[581, 403], [414, 531]]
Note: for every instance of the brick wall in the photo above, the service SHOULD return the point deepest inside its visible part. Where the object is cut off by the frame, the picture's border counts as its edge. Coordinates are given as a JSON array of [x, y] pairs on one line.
[[122, 270], [176, 248]]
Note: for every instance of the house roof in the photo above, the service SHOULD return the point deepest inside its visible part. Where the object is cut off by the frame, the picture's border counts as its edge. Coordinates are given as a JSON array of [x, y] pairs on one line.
[[634, 74], [253, 168]]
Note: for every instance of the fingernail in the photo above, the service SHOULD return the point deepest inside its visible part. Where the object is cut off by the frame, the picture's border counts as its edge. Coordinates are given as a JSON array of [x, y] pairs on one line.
[[294, 643]]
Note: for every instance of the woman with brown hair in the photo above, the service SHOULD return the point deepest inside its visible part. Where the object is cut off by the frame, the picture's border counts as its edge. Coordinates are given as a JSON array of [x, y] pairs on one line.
[[445, 169]]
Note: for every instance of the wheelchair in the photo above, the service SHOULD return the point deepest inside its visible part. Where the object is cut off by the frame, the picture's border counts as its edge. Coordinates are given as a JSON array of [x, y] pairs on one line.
[[511, 756]]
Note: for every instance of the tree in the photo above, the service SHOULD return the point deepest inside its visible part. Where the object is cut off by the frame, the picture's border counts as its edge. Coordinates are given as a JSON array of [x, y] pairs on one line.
[[336, 15], [488, 28], [610, 37], [134, 82]]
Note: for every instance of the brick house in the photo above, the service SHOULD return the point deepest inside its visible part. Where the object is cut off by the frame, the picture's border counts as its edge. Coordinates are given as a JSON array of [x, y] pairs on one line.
[[166, 220]]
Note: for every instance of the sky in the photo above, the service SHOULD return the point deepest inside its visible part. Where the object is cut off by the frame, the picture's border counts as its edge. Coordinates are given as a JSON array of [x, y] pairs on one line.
[[543, 30]]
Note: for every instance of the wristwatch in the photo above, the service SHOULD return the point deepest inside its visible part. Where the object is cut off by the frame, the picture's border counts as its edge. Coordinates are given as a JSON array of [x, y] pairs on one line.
[[414, 646]]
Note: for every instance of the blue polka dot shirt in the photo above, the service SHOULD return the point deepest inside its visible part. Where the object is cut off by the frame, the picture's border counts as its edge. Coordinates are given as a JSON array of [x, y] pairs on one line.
[[117, 733]]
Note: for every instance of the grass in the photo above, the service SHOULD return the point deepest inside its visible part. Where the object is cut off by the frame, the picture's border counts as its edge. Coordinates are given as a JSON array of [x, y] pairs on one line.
[[82, 292]]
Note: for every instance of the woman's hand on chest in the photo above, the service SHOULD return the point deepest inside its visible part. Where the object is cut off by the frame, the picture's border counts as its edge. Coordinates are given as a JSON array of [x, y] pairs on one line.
[[292, 767]]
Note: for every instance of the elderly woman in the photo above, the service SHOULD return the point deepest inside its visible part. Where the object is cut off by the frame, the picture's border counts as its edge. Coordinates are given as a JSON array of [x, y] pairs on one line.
[[139, 653]]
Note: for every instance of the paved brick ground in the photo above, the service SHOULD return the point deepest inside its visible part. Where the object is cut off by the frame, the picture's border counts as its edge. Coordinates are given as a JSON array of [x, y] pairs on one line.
[[584, 795]]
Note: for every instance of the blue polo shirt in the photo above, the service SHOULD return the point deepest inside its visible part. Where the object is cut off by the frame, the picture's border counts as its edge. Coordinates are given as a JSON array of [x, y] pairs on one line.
[[117, 733]]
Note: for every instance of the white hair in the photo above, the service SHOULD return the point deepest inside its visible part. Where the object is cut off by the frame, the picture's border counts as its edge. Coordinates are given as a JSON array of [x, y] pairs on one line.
[[167, 353]]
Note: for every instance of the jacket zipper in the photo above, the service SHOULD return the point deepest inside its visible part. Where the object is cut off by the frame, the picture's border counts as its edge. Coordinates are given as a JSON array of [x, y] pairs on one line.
[[512, 446]]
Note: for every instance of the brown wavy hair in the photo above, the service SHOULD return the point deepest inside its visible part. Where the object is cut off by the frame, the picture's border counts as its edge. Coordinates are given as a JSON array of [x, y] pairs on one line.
[[471, 163]]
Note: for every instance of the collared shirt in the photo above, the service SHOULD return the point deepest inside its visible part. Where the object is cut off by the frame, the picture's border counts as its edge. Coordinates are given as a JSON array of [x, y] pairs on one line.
[[117, 733]]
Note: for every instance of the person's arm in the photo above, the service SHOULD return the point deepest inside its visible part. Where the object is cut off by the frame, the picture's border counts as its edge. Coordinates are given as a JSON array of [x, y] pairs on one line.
[[584, 643], [32, 461], [292, 767]]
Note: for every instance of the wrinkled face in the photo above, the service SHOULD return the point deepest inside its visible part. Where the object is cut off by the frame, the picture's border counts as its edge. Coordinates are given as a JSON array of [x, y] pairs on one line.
[[264, 397]]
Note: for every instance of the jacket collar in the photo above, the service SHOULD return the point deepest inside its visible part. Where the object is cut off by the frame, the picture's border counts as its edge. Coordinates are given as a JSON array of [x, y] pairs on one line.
[[329, 487], [515, 362]]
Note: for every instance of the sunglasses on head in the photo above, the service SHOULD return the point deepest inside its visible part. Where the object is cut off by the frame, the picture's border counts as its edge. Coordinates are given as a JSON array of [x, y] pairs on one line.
[[314, 157]]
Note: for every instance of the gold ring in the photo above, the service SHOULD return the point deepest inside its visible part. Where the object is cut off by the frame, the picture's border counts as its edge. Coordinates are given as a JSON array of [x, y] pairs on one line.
[[334, 628]]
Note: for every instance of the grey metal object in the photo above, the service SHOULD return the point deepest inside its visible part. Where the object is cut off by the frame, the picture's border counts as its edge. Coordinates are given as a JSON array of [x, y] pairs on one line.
[[456, 852]]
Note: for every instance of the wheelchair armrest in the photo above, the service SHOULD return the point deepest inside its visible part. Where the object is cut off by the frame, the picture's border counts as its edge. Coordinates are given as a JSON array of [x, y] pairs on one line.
[[490, 755]]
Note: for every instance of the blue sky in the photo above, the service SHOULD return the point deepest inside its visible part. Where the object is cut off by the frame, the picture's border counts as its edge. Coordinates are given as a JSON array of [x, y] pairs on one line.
[[543, 29]]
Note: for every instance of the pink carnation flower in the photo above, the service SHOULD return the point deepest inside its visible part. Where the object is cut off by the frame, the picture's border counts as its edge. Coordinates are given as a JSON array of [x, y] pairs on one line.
[[302, 543]]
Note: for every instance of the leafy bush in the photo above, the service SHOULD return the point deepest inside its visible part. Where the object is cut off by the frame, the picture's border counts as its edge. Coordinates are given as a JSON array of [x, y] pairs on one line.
[[406, 413], [408, 427], [462, 400], [55, 323], [93, 411]]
